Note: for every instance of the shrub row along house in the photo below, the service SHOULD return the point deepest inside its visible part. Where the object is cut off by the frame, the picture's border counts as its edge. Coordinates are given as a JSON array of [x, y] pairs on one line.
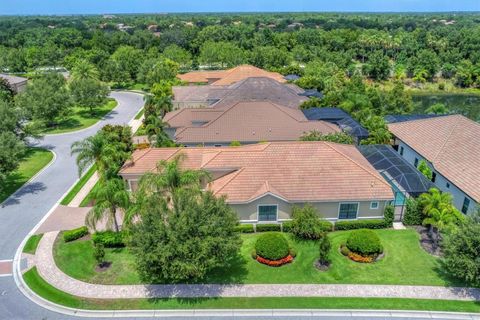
[[451, 147], [262, 182]]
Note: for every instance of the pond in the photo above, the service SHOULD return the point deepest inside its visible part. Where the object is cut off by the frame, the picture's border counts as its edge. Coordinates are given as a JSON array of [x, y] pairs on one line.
[[466, 104]]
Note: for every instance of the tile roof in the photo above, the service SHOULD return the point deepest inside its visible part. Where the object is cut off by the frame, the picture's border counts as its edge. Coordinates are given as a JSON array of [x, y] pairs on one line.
[[244, 122], [13, 79], [450, 143], [249, 89], [230, 76], [295, 171]]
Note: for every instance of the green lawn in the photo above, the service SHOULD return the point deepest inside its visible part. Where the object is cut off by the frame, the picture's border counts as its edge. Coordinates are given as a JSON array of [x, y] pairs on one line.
[[32, 243], [78, 186], [81, 118], [42, 288], [34, 161], [139, 114], [404, 263]]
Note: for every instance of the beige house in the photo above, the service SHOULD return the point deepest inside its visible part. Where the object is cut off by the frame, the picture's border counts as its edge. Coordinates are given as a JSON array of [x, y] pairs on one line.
[[247, 122], [262, 182]]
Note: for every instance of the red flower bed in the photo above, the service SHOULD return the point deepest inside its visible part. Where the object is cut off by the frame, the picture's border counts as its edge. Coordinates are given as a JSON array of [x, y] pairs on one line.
[[275, 263]]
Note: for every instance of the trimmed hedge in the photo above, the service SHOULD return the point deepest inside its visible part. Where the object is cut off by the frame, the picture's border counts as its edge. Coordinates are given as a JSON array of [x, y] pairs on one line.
[[74, 234], [245, 228], [287, 226], [325, 226], [268, 227], [272, 246], [109, 239], [413, 214], [362, 224], [364, 242]]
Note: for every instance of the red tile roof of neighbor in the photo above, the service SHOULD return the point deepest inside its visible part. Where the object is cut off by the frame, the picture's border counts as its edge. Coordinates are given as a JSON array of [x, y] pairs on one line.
[[244, 122], [451, 144], [294, 171], [230, 76]]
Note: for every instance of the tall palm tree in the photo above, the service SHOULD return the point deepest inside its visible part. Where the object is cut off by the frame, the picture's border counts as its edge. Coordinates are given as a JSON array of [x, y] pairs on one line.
[[89, 151], [110, 196], [84, 70], [163, 184]]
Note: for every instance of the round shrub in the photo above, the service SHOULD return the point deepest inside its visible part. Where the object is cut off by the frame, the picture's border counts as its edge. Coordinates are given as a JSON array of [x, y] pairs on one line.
[[364, 242], [272, 246]]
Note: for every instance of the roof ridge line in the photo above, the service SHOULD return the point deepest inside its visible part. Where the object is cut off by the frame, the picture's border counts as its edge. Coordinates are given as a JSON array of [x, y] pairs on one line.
[[235, 173], [446, 140], [356, 163]]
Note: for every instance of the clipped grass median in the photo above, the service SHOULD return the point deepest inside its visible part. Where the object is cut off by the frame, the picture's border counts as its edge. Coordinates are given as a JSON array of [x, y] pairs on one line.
[[35, 159], [32, 243], [45, 290], [78, 186]]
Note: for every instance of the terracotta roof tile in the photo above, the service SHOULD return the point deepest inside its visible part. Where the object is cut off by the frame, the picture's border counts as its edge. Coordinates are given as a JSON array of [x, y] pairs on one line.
[[244, 122], [230, 76], [295, 171], [451, 144]]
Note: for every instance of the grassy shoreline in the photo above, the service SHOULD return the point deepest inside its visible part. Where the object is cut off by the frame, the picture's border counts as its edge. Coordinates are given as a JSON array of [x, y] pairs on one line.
[[45, 290]]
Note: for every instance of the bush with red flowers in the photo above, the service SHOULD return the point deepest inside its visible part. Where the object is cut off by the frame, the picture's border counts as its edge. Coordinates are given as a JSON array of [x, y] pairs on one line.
[[275, 263], [273, 250]]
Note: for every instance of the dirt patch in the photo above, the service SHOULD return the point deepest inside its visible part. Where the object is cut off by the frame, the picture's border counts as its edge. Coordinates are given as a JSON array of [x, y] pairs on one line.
[[321, 266], [427, 243], [103, 266], [86, 237]]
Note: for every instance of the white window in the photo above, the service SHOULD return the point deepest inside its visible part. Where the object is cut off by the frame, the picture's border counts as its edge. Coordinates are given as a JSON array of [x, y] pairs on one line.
[[374, 205]]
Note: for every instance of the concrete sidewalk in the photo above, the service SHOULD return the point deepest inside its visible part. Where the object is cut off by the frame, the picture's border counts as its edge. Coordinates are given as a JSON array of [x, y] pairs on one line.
[[52, 274]]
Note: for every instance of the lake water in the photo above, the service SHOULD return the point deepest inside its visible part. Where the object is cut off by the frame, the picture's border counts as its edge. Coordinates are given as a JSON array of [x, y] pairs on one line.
[[466, 104]]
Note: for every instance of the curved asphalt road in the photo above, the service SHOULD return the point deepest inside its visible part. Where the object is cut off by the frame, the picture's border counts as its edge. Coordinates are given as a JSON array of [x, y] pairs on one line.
[[20, 213]]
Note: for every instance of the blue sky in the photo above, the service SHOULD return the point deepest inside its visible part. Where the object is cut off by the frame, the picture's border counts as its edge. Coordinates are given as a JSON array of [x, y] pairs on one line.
[[143, 6]]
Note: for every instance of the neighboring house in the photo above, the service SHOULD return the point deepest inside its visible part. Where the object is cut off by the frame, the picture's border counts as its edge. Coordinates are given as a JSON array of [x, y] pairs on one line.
[[340, 118], [250, 89], [228, 77], [262, 182], [18, 84], [451, 147], [246, 122]]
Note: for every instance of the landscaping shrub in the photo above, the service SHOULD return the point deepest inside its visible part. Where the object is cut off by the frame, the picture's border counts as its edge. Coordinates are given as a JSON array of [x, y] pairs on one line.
[[268, 227], [74, 234], [324, 249], [306, 223], [109, 239], [364, 242], [389, 216], [413, 214], [275, 263], [344, 250], [287, 226], [245, 228], [99, 253], [272, 246], [361, 224]]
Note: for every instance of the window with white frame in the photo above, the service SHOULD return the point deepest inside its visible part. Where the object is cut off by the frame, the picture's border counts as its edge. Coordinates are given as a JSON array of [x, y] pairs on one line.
[[374, 205], [348, 211], [267, 212]]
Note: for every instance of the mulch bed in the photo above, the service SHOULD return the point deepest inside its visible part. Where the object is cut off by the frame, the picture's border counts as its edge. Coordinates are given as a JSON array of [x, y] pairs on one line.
[[103, 267], [426, 241], [321, 266]]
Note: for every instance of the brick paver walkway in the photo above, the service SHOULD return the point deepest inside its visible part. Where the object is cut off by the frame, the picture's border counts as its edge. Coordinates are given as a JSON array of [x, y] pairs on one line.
[[5, 268], [50, 272], [82, 194]]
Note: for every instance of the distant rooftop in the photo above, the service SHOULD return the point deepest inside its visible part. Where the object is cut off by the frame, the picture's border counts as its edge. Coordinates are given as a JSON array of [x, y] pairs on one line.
[[13, 79], [230, 76], [339, 117]]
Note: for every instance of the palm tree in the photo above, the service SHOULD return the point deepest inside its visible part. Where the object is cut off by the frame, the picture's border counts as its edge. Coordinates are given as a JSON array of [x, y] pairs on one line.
[[439, 211], [89, 151], [110, 195], [84, 70], [164, 183]]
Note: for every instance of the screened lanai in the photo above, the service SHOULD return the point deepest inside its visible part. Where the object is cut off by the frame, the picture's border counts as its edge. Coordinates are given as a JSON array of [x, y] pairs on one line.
[[394, 167]]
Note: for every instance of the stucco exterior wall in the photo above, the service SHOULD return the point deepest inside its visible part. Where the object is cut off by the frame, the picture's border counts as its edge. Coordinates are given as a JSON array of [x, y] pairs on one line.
[[440, 181], [248, 213]]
